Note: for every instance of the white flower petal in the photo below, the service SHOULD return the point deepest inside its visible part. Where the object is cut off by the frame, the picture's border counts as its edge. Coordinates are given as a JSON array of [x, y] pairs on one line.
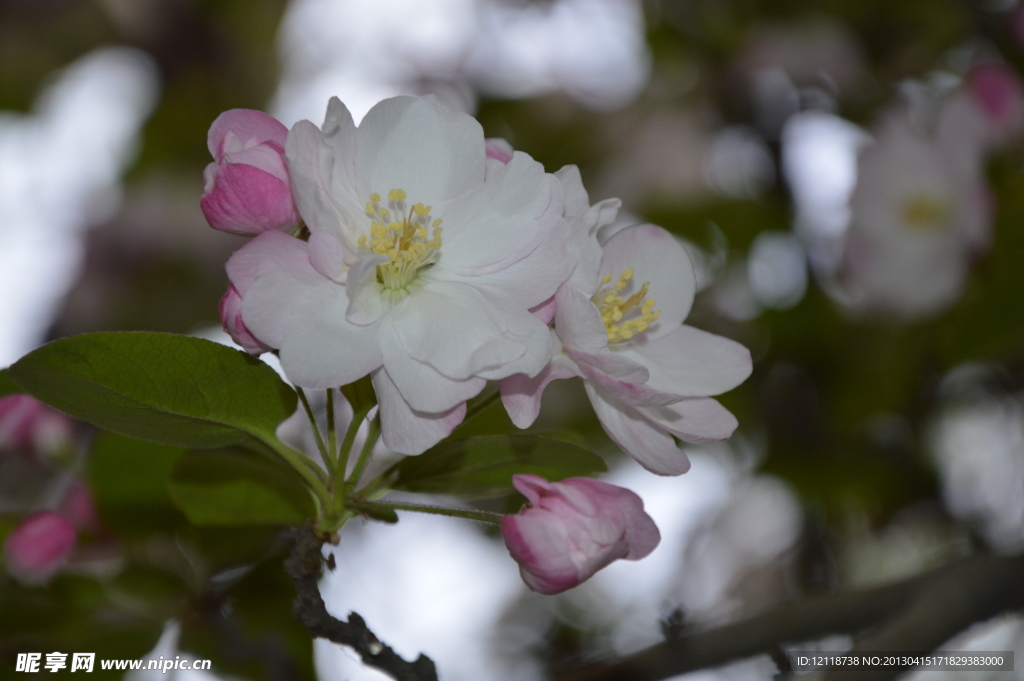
[[502, 221], [422, 386], [578, 321], [367, 303], [327, 255], [462, 333], [404, 430], [319, 348], [307, 155], [656, 257], [413, 143], [691, 363], [651, 446], [270, 250], [696, 420]]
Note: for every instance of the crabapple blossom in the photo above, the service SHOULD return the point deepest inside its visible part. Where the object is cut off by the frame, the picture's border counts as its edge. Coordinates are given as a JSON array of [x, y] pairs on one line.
[[573, 528], [38, 546], [246, 188], [648, 375], [230, 310], [919, 211], [423, 261]]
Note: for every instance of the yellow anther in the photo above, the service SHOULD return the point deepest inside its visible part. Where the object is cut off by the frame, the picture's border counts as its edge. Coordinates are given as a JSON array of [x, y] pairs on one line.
[[405, 240], [375, 197], [614, 308], [437, 222]]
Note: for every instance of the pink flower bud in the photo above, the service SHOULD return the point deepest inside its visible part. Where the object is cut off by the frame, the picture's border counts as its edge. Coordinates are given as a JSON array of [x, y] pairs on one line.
[[28, 425], [231, 317], [79, 508], [574, 528], [499, 149], [246, 187], [998, 92], [37, 547]]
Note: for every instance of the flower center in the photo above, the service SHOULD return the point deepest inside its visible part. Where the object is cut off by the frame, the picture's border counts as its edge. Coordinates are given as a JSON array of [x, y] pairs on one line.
[[924, 213], [614, 308], [405, 240]]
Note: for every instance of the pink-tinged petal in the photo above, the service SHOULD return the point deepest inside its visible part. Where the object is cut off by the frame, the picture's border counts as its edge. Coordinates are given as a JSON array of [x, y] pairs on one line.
[[269, 159], [578, 321], [614, 364], [572, 529], [692, 363], [521, 394], [413, 143], [545, 311], [656, 257], [246, 200], [79, 508], [478, 336], [423, 387], [247, 125], [639, 437], [405, 430], [270, 251], [635, 394], [230, 309], [498, 149], [327, 255], [38, 547], [696, 420]]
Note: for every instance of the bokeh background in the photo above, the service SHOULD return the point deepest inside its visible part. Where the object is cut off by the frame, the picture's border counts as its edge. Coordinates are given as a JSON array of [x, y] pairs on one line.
[[847, 175]]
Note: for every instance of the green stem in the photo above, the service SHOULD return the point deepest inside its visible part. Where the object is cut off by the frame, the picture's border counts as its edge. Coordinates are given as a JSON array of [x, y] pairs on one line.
[[482, 404], [348, 441], [364, 456], [332, 438], [301, 463], [316, 429], [479, 516]]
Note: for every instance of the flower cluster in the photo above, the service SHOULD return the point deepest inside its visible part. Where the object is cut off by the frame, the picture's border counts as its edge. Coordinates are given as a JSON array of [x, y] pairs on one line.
[[411, 250]]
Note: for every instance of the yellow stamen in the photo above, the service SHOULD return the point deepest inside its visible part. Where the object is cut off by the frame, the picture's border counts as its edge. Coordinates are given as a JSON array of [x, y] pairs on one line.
[[404, 241], [614, 308]]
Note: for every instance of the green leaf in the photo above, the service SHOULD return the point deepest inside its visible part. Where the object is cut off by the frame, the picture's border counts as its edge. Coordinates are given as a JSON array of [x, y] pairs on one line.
[[127, 476], [7, 384], [171, 389], [483, 466], [233, 487]]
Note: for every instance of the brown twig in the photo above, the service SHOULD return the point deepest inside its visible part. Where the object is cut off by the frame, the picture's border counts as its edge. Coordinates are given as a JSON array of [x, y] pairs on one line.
[[304, 567], [915, 615]]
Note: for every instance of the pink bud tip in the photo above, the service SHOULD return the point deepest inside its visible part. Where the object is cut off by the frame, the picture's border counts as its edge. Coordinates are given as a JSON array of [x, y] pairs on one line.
[[37, 548], [574, 528]]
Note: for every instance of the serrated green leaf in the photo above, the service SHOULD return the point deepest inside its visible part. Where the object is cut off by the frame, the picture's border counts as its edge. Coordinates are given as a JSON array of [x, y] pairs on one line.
[[171, 389], [7, 384], [234, 488], [479, 467]]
